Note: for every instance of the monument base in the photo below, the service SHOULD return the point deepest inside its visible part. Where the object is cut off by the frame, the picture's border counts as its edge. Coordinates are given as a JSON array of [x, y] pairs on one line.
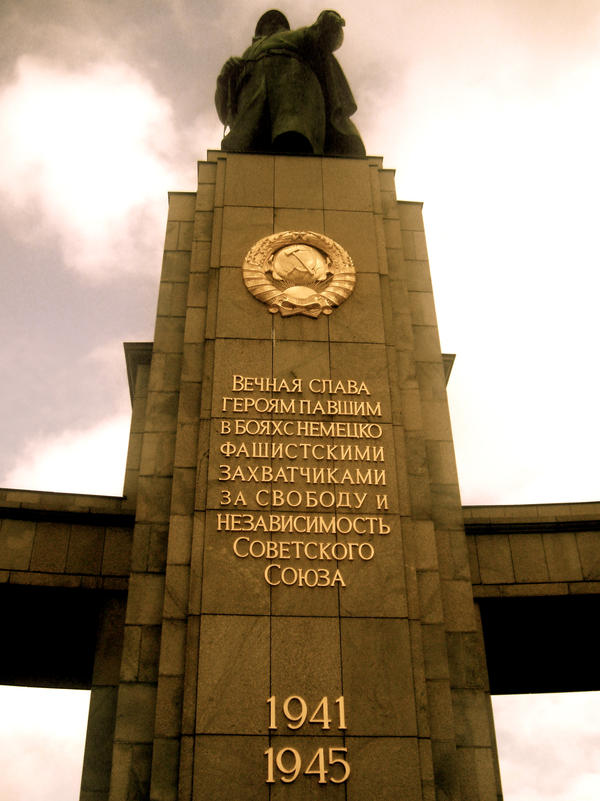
[[299, 550]]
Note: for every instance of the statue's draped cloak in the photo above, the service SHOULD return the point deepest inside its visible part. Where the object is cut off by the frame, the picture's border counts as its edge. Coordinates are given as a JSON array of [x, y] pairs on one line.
[[285, 83]]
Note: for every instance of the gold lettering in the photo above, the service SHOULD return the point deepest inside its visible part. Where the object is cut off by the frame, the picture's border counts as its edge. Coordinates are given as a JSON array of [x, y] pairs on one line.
[[242, 383], [236, 549], [382, 501]]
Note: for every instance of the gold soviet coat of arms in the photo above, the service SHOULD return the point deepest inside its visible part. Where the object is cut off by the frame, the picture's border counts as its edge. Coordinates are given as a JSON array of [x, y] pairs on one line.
[[299, 272]]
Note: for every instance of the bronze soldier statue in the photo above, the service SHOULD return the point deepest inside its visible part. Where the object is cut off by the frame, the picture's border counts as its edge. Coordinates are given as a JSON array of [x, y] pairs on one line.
[[287, 93]]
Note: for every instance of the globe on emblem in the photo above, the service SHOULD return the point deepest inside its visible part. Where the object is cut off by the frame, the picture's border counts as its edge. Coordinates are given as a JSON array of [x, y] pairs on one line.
[[300, 264]]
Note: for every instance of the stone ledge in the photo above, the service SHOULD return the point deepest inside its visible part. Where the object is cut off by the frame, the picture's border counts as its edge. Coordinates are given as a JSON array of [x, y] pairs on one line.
[[532, 589]]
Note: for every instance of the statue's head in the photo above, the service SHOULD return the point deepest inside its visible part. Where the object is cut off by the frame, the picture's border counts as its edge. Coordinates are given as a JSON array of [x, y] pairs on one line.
[[271, 22], [332, 23]]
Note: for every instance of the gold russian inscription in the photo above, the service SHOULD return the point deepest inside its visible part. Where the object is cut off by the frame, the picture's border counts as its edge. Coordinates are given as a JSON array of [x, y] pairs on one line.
[[244, 547], [340, 407], [303, 577], [318, 451], [263, 405], [303, 428], [310, 498], [290, 474], [263, 452], [331, 387], [320, 386], [243, 383], [276, 523]]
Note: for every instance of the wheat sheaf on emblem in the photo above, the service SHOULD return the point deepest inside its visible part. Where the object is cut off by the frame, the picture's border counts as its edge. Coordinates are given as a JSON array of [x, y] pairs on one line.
[[299, 272]]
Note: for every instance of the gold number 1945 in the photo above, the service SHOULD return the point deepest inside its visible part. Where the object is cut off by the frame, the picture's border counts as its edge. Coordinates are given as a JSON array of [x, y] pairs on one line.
[[290, 766]]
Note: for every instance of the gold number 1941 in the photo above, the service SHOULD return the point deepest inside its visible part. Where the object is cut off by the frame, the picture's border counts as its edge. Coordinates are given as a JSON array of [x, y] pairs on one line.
[[295, 711]]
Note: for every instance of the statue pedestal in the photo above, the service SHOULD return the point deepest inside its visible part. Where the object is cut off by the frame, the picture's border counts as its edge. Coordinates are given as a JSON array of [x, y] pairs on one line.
[[300, 621]]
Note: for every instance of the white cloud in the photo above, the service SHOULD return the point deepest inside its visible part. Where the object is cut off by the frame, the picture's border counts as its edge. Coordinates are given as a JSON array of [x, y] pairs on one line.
[[42, 736], [548, 746], [88, 158], [508, 171], [79, 460]]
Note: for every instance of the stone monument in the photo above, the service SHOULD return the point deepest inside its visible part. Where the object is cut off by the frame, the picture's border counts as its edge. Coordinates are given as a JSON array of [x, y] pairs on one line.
[[282, 606], [318, 637]]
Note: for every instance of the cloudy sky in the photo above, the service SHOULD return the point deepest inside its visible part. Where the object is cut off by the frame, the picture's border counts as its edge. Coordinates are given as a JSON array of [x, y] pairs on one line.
[[489, 110]]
